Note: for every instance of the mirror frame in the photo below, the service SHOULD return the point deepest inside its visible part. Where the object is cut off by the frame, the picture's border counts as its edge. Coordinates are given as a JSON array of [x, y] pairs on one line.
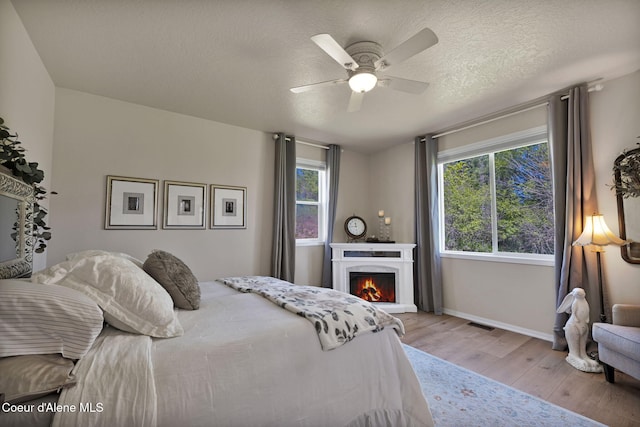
[[631, 251], [22, 265]]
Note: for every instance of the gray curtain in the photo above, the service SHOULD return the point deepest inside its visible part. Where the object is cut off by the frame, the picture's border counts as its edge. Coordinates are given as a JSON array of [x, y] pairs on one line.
[[333, 172], [574, 198], [427, 269], [283, 254]]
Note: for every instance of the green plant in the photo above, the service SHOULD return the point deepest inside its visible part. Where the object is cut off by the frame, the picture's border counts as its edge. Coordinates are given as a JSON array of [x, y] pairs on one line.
[[12, 157], [626, 170]]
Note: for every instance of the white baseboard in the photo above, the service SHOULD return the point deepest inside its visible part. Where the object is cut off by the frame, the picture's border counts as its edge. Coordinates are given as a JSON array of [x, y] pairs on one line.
[[501, 325]]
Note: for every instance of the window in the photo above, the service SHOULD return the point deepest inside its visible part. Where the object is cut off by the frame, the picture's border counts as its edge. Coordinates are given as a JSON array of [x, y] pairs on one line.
[[497, 197], [311, 202]]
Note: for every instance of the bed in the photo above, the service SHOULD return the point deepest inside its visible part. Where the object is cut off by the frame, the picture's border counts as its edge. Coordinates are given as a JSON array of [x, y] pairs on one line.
[[144, 344]]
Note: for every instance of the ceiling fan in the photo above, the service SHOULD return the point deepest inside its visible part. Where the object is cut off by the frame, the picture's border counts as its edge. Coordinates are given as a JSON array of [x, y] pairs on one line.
[[363, 60]]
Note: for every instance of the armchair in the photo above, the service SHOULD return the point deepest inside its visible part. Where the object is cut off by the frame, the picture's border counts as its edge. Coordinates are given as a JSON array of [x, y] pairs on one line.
[[619, 342]]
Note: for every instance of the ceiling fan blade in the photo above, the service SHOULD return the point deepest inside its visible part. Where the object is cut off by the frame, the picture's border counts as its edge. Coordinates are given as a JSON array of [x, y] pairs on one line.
[[416, 44], [334, 50], [355, 102], [404, 85], [306, 88]]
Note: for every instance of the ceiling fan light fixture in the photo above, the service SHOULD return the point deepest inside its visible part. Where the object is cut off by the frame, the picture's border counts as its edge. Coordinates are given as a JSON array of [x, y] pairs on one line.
[[363, 82]]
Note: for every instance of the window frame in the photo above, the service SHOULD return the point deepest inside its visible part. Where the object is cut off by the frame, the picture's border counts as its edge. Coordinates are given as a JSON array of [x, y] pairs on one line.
[[322, 203], [489, 147]]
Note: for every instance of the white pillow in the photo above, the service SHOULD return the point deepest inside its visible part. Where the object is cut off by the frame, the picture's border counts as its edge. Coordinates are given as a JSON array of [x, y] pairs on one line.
[[93, 252], [38, 319], [131, 299]]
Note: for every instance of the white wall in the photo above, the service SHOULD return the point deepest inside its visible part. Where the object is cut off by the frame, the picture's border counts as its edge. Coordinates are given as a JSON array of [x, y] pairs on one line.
[[96, 137], [26, 97], [354, 196], [615, 126], [392, 190]]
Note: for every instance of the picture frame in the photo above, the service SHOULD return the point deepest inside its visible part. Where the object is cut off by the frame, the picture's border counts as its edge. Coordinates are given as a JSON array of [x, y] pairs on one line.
[[228, 206], [131, 203], [184, 205]]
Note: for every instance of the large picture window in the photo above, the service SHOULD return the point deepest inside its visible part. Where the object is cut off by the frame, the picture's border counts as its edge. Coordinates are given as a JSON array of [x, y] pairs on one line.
[[497, 199], [311, 201]]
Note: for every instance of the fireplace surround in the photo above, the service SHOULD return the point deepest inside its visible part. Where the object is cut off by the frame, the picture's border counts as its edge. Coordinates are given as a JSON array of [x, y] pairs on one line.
[[384, 264]]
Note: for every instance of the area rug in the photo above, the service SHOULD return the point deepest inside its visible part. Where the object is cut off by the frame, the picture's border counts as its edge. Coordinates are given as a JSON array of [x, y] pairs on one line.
[[458, 397]]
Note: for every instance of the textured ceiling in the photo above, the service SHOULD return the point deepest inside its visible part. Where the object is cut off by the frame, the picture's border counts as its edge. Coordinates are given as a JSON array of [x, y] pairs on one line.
[[233, 61]]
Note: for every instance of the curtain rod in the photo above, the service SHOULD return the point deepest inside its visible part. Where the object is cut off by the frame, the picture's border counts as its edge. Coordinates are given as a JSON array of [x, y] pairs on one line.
[[310, 144], [544, 104], [595, 88]]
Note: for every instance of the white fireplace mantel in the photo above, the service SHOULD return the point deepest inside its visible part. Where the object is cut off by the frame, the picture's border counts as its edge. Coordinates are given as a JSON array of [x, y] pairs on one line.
[[377, 257]]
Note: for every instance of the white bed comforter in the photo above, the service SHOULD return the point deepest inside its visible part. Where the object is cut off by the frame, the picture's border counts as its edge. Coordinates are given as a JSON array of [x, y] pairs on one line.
[[115, 385], [244, 361]]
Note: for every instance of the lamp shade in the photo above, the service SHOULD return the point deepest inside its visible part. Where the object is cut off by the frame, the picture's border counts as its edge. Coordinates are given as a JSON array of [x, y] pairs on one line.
[[597, 233], [362, 82]]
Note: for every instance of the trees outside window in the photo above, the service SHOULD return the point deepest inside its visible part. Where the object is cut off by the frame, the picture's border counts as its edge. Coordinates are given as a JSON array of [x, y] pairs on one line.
[[500, 201], [524, 198], [310, 202]]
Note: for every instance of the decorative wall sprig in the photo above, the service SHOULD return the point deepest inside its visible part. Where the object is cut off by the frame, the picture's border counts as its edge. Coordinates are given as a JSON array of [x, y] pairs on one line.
[[626, 170], [12, 156]]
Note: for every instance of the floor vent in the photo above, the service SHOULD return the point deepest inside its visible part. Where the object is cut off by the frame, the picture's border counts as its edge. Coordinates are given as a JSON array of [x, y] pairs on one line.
[[478, 325]]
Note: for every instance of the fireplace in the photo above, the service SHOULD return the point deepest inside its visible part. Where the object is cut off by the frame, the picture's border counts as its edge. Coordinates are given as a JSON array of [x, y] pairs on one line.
[[373, 287], [381, 273]]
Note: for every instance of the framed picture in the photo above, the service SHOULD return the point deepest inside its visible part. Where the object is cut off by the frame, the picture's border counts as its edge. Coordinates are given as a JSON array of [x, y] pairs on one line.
[[131, 203], [184, 205], [228, 206]]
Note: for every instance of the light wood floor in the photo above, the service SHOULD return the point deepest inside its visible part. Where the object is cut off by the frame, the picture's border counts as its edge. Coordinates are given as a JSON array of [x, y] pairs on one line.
[[525, 363]]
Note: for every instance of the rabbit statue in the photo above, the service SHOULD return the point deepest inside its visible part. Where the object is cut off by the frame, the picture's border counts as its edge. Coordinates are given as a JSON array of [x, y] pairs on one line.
[[576, 330]]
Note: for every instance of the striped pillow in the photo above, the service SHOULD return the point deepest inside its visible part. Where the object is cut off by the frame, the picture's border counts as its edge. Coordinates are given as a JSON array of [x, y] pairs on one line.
[[34, 375], [46, 319]]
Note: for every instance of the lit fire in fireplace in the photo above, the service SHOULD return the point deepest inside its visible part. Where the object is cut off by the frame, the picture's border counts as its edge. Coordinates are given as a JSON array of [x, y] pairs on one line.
[[370, 290]]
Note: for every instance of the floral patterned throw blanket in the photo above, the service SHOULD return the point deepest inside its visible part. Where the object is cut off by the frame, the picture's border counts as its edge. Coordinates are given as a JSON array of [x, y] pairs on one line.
[[337, 317]]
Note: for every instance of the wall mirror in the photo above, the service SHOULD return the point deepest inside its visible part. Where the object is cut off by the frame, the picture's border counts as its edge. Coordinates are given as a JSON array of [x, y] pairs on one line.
[[627, 185], [16, 224]]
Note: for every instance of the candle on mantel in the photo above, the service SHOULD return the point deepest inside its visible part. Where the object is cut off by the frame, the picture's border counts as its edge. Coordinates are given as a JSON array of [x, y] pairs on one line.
[[387, 220], [380, 213]]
